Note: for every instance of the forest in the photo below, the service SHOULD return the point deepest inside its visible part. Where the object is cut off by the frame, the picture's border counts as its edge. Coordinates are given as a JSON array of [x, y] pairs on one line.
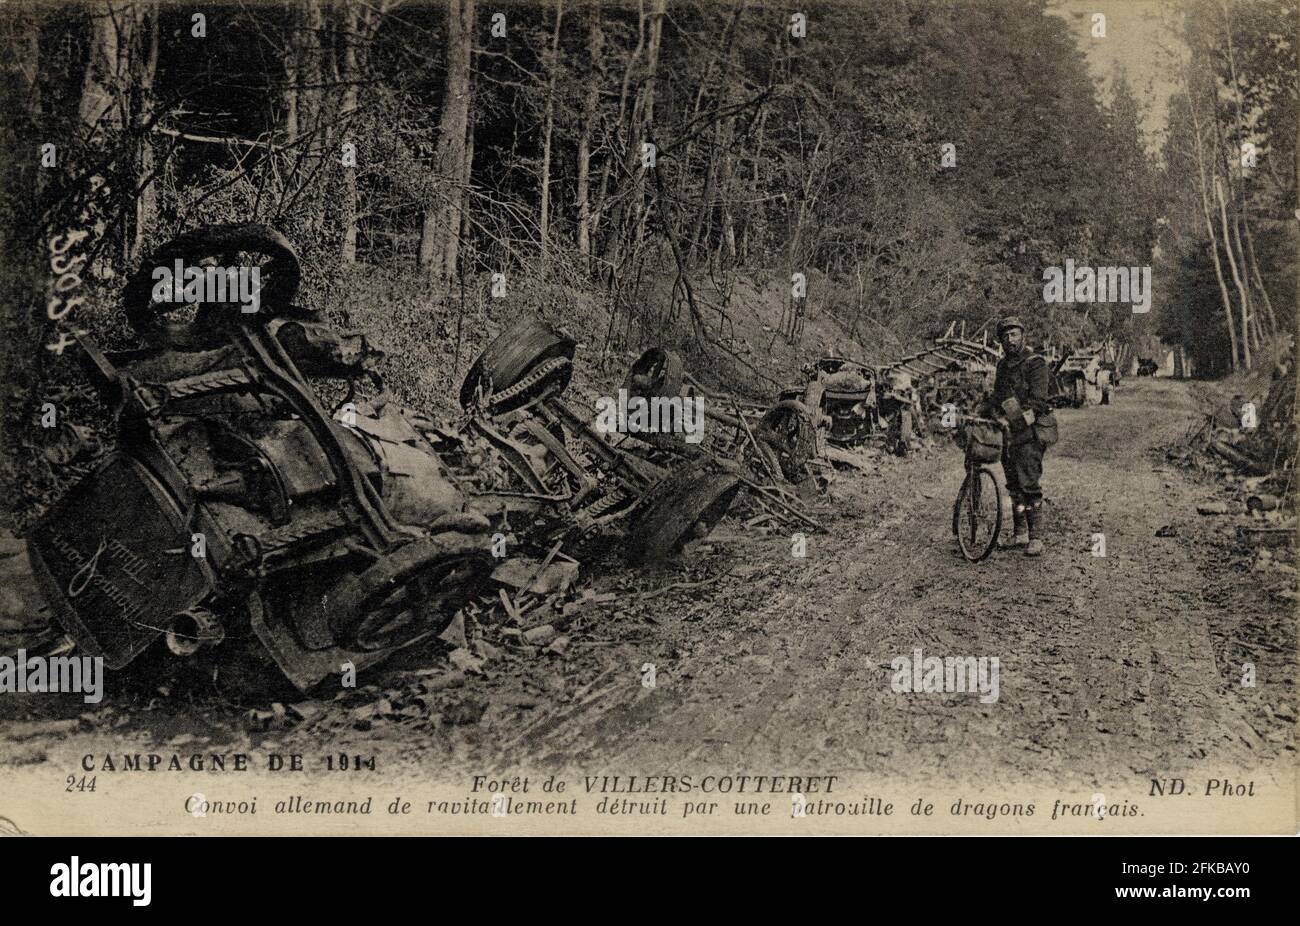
[[645, 172]]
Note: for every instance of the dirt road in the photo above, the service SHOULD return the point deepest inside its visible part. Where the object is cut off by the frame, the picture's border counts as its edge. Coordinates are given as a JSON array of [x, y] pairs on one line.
[[764, 661], [1131, 660]]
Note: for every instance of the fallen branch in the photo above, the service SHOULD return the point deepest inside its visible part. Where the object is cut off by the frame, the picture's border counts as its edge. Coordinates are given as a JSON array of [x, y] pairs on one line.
[[1238, 459], [217, 139], [677, 586], [771, 495]]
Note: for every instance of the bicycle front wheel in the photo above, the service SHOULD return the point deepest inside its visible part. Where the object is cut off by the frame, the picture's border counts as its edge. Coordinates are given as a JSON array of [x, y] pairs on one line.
[[978, 514]]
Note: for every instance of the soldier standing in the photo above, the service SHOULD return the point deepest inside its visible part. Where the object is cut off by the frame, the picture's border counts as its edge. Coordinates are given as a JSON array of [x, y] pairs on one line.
[[1020, 392]]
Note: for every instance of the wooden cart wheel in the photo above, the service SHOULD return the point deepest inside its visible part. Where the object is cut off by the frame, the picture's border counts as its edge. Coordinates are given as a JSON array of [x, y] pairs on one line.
[[787, 428], [278, 278], [418, 587], [515, 370], [685, 505], [657, 373]]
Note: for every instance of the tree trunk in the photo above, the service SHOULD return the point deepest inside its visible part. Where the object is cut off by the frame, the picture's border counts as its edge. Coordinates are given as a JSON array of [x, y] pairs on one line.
[[754, 186], [24, 269], [1258, 277], [628, 222], [728, 243], [144, 66], [589, 108], [289, 96], [311, 110], [466, 174], [355, 22], [626, 125], [1203, 186], [648, 107], [459, 217], [1236, 275], [1251, 310], [704, 218], [1246, 246], [310, 73], [102, 83], [440, 234], [544, 224]]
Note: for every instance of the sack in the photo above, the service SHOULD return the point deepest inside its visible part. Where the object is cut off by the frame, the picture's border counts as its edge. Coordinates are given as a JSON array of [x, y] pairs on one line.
[[845, 381], [983, 442], [1046, 431]]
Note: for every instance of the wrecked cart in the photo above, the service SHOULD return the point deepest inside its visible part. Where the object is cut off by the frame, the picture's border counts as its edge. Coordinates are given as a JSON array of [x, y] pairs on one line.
[[563, 477], [236, 519]]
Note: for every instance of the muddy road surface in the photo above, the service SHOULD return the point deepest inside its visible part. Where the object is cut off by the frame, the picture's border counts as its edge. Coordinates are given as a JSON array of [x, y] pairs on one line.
[[1128, 661], [744, 657]]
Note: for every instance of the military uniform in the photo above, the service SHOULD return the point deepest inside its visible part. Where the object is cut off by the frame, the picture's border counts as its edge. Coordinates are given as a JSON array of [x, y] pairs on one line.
[[1025, 377]]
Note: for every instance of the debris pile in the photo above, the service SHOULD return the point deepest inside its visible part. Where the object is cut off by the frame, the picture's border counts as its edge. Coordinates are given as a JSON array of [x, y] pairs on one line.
[[1248, 447], [274, 539], [1252, 435]]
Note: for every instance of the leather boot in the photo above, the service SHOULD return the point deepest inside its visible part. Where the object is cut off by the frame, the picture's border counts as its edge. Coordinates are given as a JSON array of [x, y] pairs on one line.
[[1034, 514], [1020, 528]]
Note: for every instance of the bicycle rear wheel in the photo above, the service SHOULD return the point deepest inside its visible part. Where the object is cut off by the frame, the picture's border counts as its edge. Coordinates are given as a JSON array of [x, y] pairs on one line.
[[978, 514]]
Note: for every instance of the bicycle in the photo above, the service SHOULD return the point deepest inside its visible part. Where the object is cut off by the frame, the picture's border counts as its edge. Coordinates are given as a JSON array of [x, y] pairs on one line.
[[977, 512]]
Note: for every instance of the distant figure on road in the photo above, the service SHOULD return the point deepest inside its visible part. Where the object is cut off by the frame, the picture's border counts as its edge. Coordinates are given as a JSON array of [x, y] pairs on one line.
[[1019, 398]]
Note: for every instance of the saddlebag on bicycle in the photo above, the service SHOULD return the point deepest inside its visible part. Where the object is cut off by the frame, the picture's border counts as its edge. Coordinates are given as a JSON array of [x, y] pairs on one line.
[[984, 442]]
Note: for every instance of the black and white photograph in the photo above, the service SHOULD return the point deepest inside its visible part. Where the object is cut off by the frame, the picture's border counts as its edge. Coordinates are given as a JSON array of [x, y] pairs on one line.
[[648, 417]]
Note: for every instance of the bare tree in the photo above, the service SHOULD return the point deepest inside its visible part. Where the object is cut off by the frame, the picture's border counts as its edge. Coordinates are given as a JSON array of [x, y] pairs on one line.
[[590, 103], [356, 21], [553, 65], [103, 80], [1203, 188], [1242, 297], [143, 70], [440, 234]]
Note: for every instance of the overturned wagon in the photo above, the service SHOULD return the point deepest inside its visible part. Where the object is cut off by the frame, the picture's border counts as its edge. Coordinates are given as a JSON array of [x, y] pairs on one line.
[[241, 524], [236, 517], [554, 469]]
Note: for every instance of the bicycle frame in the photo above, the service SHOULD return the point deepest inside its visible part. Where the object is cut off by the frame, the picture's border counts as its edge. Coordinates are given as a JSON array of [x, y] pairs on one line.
[[968, 498]]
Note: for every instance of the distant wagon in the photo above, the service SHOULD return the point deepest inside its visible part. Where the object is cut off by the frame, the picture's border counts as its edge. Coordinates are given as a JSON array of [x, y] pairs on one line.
[[1082, 379]]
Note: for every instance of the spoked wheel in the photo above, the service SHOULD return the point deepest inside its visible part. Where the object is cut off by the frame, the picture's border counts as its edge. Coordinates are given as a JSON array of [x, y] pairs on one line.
[[977, 516], [527, 362], [684, 506], [417, 588], [657, 373], [241, 248], [790, 441]]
